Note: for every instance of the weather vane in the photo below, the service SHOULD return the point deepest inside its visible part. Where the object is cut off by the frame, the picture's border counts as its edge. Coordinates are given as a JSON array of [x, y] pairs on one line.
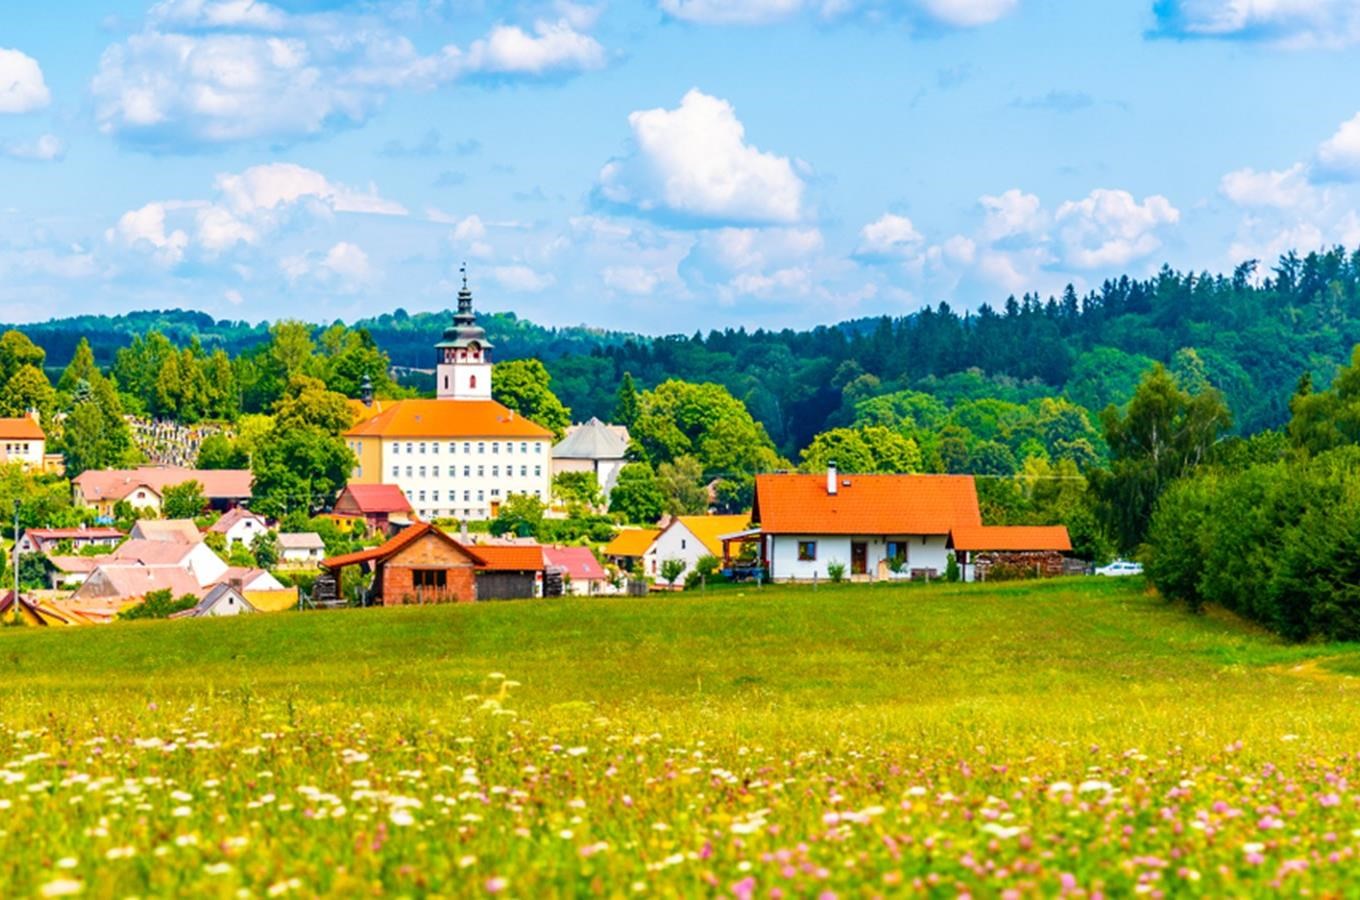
[[463, 269]]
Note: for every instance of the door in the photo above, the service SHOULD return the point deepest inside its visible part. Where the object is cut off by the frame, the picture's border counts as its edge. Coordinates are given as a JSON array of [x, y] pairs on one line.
[[859, 558]]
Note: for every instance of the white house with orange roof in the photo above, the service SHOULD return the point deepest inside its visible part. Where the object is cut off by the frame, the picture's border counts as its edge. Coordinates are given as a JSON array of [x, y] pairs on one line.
[[462, 454], [22, 441]]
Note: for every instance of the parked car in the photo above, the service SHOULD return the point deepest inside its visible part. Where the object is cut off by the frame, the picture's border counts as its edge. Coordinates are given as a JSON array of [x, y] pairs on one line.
[[1120, 567]]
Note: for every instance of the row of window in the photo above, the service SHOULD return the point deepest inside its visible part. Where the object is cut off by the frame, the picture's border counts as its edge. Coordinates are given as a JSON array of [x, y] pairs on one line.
[[420, 447], [433, 496], [21, 447], [420, 471], [807, 551]]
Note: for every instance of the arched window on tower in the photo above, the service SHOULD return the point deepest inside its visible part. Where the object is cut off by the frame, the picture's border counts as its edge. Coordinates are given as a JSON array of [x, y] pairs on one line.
[[472, 382], [446, 382]]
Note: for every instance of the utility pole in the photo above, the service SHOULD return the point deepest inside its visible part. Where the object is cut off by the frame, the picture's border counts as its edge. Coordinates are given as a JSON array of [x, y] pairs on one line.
[[16, 560]]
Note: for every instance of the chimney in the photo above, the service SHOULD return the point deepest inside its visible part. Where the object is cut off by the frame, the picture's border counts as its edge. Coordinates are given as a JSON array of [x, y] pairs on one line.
[[366, 390], [831, 478], [463, 532]]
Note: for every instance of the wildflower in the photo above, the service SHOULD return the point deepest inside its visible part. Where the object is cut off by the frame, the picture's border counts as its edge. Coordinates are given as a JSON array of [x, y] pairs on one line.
[[496, 884], [402, 817], [62, 887]]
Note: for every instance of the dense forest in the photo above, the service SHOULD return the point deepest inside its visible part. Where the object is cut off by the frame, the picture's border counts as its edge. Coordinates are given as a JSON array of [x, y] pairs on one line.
[[1251, 334]]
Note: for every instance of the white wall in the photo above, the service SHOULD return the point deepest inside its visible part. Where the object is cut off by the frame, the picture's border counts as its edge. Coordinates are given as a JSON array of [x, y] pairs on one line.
[[923, 552], [676, 542], [245, 531], [27, 452], [205, 565], [463, 478]]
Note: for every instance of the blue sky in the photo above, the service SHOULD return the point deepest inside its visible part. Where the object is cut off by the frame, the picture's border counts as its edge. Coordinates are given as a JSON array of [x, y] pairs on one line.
[[659, 165]]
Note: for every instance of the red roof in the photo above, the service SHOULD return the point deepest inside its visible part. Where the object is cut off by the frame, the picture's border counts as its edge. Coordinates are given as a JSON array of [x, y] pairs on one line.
[[580, 563], [395, 544], [377, 498], [61, 534], [117, 484], [510, 557], [865, 504], [1011, 538]]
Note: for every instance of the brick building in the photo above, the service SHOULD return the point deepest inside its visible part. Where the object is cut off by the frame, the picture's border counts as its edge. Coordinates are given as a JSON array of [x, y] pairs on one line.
[[419, 565]]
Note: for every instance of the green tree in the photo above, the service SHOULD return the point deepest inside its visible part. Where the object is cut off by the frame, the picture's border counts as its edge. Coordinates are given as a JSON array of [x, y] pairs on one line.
[[626, 403], [671, 570], [1164, 436], [520, 515], [578, 489], [217, 451], [682, 484], [524, 386], [28, 389], [637, 496], [183, 501], [706, 422], [159, 605], [17, 351], [1324, 420], [265, 548], [298, 467], [81, 368]]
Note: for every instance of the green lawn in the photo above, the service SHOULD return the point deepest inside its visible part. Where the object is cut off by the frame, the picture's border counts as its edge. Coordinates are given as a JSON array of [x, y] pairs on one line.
[[682, 744]]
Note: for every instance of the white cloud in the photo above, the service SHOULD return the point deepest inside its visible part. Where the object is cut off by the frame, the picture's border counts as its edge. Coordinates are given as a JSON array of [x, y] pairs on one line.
[[145, 228], [1013, 213], [952, 13], [693, 162], [553, 46], [1280, 189], [521, 279], [732, 12], [22, 88], [470, 228], [1111, 228], [1287, 23], [969, 13], [1339, 155], [636, 280], [888, 236], [348, 261], [205, 73], [270, 186], [45, 148]]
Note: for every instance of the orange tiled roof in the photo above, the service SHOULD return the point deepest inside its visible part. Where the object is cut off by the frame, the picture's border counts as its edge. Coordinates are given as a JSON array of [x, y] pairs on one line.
[[23, 428], [510, 557], [865, 504], [631, 542], [1011, 538], [448, 418], [394, 544], [709, 528]]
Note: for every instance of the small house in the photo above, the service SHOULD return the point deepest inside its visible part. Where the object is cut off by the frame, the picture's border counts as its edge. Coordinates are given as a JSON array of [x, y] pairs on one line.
[[70, 572], [381, 507], [582, 574], [23, 441], [301, 549], [689, 539], [240, 525], [593, 447], [198, 559], [420, 564], [47, 540], [629, 546], [144, 486], [222, 600]]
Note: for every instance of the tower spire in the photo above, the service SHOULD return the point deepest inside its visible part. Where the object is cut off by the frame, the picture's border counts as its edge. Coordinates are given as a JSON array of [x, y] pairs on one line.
[[465, 314]]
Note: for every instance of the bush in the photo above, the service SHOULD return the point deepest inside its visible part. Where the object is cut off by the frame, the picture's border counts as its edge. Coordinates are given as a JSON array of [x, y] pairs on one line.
[[836, 572], [1278, 543], [951, 569], [159, 605]]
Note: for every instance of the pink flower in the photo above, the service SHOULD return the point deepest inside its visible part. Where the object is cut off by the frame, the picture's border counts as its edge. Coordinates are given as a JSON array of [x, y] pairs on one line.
[[496, 884]]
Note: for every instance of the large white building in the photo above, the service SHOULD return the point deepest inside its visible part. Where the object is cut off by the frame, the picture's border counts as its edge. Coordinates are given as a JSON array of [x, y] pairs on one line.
[[462, 454]]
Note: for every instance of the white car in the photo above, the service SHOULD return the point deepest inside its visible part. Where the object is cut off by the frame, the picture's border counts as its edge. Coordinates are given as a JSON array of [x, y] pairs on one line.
[[1121, 567]]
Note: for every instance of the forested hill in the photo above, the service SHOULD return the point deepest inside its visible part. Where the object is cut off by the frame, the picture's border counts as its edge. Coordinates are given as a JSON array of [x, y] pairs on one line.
[[1253, 334]]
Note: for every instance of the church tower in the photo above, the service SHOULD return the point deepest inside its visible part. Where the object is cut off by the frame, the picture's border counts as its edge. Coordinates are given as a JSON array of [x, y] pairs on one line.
[[463, 369]]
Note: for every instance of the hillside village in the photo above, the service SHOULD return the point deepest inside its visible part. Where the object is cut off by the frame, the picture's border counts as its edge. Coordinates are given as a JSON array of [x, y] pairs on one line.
[[427, 514]]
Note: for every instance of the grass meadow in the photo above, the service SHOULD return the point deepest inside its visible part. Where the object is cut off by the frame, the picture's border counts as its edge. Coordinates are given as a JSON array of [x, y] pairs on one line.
[[1076, 737]]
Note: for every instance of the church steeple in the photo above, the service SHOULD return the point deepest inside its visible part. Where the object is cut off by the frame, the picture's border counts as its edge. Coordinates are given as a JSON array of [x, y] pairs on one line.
[[463, 370]]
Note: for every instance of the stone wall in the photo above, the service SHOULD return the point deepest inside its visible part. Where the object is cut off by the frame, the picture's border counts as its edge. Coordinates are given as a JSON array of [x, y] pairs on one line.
[[1014, 565]]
